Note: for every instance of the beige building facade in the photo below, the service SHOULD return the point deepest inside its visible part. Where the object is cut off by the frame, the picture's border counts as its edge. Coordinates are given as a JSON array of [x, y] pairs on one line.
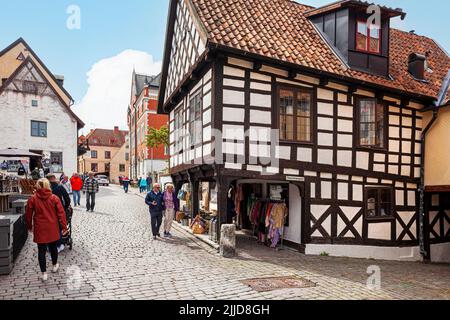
[[108, 154]]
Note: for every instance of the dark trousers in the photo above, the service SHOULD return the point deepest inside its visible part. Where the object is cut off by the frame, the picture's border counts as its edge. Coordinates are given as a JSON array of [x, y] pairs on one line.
[[156, 221], [90, 200], [42, 250], [125, 187]]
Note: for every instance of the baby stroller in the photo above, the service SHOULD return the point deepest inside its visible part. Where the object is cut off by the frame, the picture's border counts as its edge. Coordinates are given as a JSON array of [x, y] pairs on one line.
[[67, 239]]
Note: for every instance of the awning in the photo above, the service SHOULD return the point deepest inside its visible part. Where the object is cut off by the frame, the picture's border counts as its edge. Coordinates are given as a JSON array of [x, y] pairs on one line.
[[13, 153]]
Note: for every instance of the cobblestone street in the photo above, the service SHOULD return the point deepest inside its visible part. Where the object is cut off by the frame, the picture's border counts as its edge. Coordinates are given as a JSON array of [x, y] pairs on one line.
[[114, 257]]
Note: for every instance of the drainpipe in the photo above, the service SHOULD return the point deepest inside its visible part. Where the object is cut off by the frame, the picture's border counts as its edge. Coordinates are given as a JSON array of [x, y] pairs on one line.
[[424, 244], [423, 237]]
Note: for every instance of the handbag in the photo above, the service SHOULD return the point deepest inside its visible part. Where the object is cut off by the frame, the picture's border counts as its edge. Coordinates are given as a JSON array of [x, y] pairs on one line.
[[179, 216], [198, 226]]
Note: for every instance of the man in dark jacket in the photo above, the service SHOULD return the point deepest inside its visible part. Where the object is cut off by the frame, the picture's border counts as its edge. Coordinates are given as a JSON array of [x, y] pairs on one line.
[[59, 191], [155, 202], [149, 183]]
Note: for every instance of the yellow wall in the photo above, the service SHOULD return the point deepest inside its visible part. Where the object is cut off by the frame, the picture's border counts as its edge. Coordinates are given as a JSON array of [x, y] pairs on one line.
[[437, 154], [85, 162], [117, 160], [9, 64]]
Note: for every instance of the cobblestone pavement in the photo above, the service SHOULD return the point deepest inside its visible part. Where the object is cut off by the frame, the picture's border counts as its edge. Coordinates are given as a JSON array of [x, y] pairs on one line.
[[114, 257]]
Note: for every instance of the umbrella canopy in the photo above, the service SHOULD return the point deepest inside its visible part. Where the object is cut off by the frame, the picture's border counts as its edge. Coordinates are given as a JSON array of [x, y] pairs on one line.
[[12, 153]]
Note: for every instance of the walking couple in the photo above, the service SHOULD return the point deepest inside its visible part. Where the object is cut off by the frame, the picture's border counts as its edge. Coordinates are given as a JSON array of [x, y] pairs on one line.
[[162, 204]]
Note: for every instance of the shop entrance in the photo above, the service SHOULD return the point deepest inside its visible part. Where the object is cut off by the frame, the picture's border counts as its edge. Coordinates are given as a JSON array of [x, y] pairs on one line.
[[269, 211]]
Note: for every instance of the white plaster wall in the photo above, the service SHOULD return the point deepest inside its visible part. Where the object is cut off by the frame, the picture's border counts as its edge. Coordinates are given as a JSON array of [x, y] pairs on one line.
[[366, 252], [293, 232], [15, 131]]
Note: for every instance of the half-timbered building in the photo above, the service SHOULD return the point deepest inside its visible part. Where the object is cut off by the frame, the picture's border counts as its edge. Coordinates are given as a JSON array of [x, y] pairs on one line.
[[321, 102]]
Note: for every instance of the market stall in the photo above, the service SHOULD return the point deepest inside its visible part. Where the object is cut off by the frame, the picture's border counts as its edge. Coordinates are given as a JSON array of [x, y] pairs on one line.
[[202, 220], [15, 190]]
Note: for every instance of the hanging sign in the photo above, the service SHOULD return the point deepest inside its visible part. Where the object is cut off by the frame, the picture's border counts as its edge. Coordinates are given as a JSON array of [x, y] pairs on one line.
[[296, 179]]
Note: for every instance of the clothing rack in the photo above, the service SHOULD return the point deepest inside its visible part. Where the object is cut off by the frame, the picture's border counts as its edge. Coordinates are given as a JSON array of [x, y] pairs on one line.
[[281, 247]]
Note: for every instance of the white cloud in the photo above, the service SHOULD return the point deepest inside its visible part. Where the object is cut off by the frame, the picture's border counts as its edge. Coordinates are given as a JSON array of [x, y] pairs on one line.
[[108, 96]]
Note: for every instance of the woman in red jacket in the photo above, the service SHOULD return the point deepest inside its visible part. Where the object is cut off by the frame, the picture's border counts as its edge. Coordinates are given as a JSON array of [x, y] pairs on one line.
[[77, 186], [44, 216]]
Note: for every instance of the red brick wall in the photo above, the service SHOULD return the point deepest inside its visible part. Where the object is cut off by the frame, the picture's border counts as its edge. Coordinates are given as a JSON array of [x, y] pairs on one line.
[[157, 121]]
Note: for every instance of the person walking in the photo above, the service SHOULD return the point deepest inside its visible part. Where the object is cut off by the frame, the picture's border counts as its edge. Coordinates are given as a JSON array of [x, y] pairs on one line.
[[155, 201], [126, 184], [143, 185], [91, 189], [77, 185], [171, 205], [44, 216], [149, 183], [65, 182], [61, 192]]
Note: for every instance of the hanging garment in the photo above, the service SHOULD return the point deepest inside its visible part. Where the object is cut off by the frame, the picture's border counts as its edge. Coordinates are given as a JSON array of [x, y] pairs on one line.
[[238, 198], [279, 214]]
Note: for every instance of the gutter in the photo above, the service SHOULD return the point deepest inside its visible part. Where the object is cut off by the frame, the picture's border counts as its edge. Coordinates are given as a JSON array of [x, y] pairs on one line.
[[423, 233]]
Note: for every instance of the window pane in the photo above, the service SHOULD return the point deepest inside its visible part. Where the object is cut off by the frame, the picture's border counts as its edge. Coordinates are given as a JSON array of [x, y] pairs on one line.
[[372, 127], [286, 112], [304, 104], [303, 119], [385, 202], [43, 129], [380, 125], [286, 102], [287, 127], [372, 196], [374, 42], [361, 36], [367, 134], [303, 129]]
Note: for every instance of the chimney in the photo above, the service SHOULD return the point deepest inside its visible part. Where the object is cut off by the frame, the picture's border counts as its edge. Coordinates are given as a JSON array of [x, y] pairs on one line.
[[59, 79], [417, 65]]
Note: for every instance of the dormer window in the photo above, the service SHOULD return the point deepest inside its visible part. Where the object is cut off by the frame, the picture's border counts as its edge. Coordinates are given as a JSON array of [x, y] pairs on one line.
[[368, 37]]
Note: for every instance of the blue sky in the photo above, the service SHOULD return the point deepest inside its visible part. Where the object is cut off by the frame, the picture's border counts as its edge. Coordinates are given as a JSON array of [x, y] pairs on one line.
[[108, 28]]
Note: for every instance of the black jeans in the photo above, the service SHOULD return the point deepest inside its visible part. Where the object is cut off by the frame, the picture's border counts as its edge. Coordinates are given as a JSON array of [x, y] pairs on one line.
[[156, 221], [90, 201], [42, 251]]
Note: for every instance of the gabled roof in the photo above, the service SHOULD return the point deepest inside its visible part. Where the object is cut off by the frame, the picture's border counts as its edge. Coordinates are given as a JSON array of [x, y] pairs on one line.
[[106, 138], [30, 50], [143, 80], [279, 31], [24, 64]]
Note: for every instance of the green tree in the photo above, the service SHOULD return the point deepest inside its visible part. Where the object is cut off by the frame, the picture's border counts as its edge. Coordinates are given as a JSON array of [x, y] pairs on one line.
[[157, 137]]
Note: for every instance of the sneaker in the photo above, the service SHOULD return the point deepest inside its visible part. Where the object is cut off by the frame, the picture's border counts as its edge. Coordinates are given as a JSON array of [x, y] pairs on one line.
[[166, 235], [61, 248], [44, 276], [55, 268], [154, 237], [159, 235]]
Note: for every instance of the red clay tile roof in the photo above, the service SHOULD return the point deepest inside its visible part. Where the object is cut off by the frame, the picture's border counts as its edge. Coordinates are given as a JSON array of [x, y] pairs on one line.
[[278, 29], [106, 138]]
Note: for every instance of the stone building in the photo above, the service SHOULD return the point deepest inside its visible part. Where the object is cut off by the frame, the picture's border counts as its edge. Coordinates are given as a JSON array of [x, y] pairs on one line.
[[36, 110]]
